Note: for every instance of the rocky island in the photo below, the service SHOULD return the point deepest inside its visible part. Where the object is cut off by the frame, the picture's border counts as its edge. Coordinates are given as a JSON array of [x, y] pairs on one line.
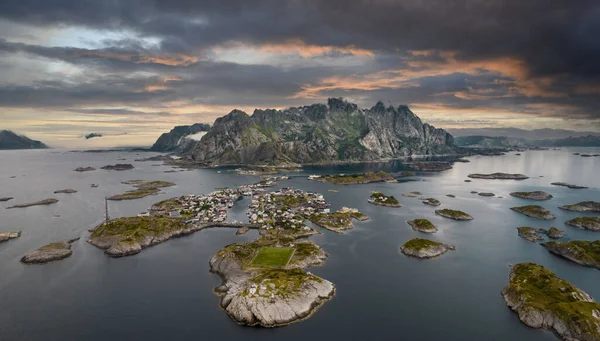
[[84, 169], [378, 198], [453, 214], [499, 176], [422, 225], [430, 166], [337, 221], [6, 236], [118, 167], [542, 300], [350, 179], [50, 252], [431, 202], [584, 206], [582, 252], [143, 189], [37, 203], [6, 199], [11, 141], [536, 195], [554, 233], [486, 194], [529, 233], [65, 191], [534, 211], [585, 223], [564, 184], [424, 248]]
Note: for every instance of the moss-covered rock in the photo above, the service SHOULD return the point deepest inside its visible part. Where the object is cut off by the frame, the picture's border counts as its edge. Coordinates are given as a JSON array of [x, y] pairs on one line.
[[534, 211], [424, 248], [585, 223], [582, 252], [422, 225], [453, 214], [542, 300]]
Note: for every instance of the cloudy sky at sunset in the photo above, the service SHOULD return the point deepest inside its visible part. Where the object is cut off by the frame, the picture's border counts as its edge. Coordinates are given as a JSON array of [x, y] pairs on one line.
[[68, 67]]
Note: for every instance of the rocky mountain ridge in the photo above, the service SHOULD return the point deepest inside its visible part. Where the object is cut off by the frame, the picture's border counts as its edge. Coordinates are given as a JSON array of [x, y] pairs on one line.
[[10, 140], [179, 138]]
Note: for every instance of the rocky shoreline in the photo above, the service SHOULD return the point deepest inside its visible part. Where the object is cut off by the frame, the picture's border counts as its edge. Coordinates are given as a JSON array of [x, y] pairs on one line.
[[50, 252]]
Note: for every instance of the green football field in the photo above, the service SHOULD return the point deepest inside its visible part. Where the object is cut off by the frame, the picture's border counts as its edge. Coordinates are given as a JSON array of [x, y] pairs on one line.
[[273, 257]]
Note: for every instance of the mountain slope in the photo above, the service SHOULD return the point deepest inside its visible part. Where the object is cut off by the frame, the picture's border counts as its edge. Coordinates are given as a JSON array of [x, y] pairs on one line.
[[10, 140], [176, 138], [319, 133]]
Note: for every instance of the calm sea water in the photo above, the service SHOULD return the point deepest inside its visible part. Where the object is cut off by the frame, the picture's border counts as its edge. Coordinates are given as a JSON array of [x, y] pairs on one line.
[[165, 292]]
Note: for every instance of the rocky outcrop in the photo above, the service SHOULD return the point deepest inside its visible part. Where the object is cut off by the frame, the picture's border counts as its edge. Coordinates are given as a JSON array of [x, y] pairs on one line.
[[486, 194], [118, 167], [534, 211], [529, 233], [431, 202], [180, 138], [454, 214], [554, 233], [536, 195], [84, 169], [6, 236], [49, 201], [564, 184], [582, 252], [423, 248], [499, 176], [584, 206], [319, 134], [585, 223], [65, 191], [269, 297], [6, 199], [49, 253], [543, 300], [10, 140]]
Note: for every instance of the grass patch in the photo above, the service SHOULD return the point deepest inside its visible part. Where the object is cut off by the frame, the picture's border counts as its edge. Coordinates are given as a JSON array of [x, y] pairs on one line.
[[273, 257]]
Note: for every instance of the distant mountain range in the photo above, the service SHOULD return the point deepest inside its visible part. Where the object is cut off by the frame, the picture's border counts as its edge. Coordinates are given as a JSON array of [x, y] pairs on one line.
[[180, 137], [318, 133], [10, 140]]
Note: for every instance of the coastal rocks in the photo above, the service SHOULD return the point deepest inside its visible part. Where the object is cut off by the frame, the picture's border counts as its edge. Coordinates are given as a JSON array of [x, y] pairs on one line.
[[582, 252], [6, 199], [543, 300], [536, 195], [50, 252], [451, 195], [500, 176], [423, 248], [422, 225], [431, 202], [6, 236], [65, 191], [128, 236], [534, 211], [529, 233], [486, 194], [564, 184], [84, 169], [37, 203], [430, 166], [585, 223], [554, 233], [118, 167], [378, 198], [584, 206], [264, 295], [454, 214], [242, 230]]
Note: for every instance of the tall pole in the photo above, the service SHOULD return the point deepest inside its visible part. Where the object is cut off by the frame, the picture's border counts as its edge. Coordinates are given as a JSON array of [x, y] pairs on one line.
[[106, 217]]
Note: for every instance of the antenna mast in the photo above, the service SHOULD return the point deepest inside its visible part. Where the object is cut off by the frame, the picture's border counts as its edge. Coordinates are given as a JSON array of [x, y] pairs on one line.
[[106, 217]]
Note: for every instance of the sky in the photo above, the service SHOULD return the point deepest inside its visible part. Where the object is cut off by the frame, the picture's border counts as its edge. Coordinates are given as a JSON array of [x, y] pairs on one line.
[[132, 69]]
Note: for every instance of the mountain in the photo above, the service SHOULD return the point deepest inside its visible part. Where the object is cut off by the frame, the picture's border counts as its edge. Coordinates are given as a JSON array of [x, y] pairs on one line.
[[319, 133], [10, 140], [535, 134], [490, 142], [581, 141], [179, 137]]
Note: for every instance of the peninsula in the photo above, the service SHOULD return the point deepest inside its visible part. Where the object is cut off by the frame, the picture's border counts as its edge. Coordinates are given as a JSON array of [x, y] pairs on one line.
[[543, 300]]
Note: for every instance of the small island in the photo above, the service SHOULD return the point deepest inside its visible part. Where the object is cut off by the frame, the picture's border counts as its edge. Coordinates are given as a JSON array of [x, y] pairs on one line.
[[337, 221], [498, 176], [50, 252], [584, 206], [65, 191], [582, 252], [453, 214], [143, 189], [422, 225], [585, 223], [486, 194], [536, 195], [543, 300], [6, 199], [431, 202], [430, 166], [37, 203], [84, 169], [424, 248], [554, 233], [378, 198], [118, 167], [564, 184], [350, 179], [529, 233], [534, 211], [6, 236]]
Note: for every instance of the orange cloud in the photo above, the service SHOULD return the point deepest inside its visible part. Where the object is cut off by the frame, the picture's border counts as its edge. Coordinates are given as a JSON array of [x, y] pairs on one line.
[[307, 50], [144, 58], [162, 85]]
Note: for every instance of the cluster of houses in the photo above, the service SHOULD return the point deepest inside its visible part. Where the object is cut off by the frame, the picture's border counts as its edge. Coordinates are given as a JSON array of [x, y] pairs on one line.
[[286, 208]]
